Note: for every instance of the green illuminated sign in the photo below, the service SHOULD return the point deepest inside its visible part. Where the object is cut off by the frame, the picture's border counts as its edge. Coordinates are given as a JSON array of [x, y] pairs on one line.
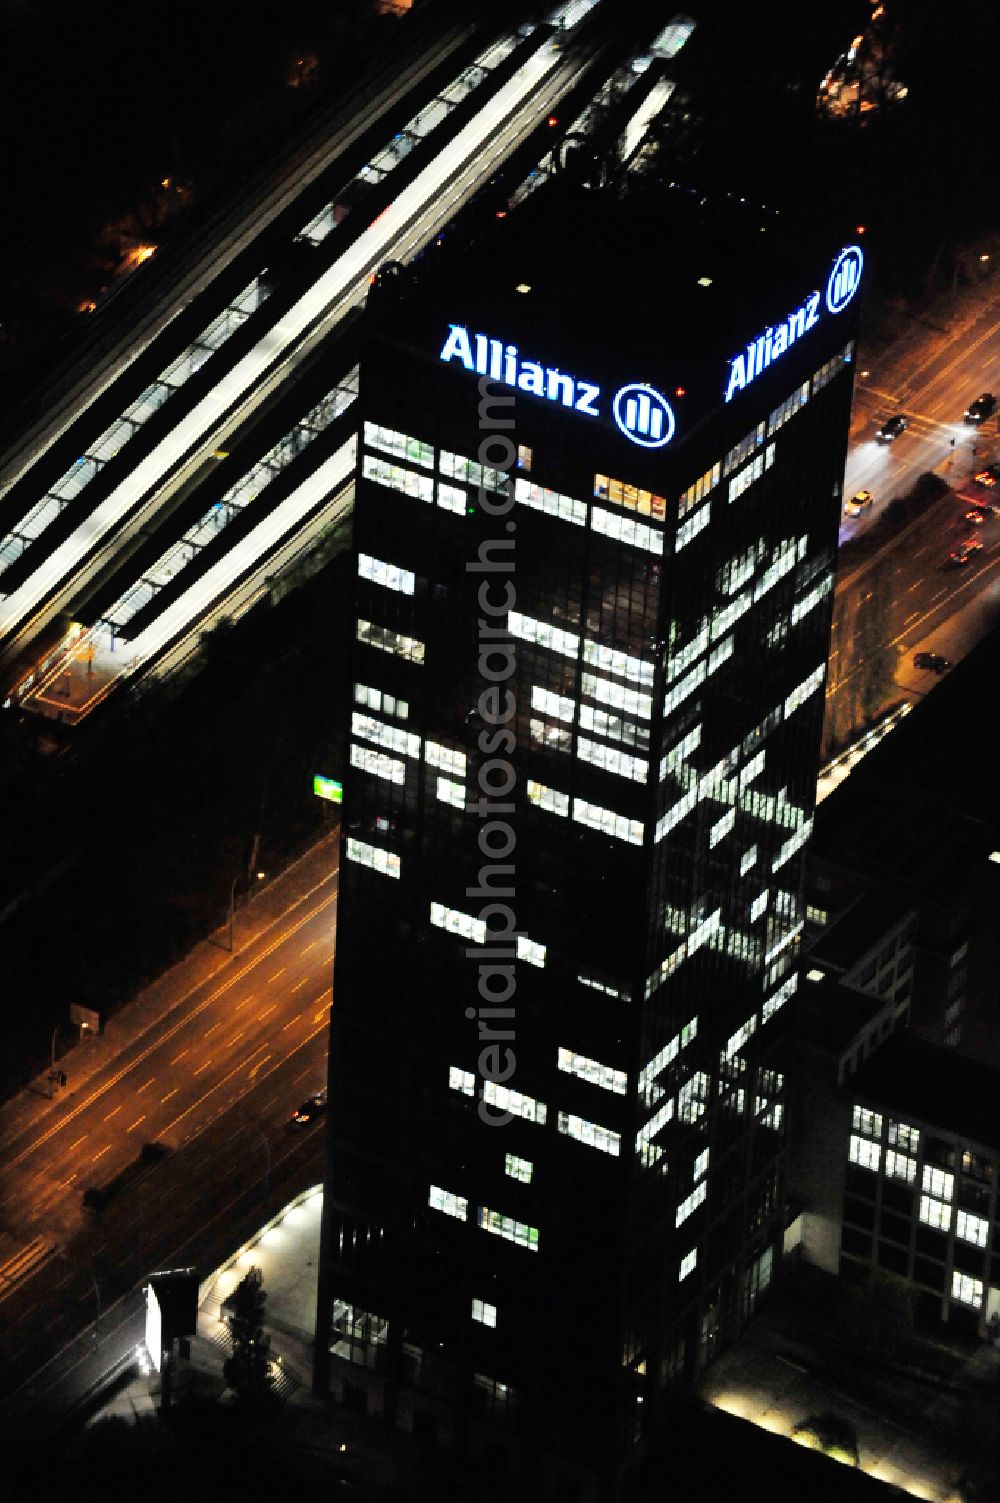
[[328, 788]]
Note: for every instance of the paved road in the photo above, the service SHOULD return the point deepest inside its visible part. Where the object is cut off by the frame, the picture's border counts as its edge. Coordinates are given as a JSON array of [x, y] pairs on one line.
[[215, 1079]]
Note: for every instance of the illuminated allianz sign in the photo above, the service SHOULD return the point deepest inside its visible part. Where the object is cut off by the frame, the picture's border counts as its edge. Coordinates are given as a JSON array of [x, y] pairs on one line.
[[842, 283], [641, 413]]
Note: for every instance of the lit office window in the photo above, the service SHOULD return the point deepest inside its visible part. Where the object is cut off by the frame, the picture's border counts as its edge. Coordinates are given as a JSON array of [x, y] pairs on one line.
[[389, 737], [391, 576], [552, 503], [935, 1213], [379, 764], [591, 1070], [610, 759], [691, 528], [759, 906], [400, 444], [699, 490], [901, 1135], [505, 1226], [807, 687], [396, 478], [626, 530], [607, 488], [450, 498], [967, 1290], [687, 685], [900, 1166], [864, 1152], [689, 1263], [552, 737], [451, 1205], [462, 924], [869, 1123], [610, 660], [548, 798], [788, 408], [613, 727], [590, 1133], [740, 1037], [461, 1080], [690, 1203], [530, 950], [386, 862], [457, 467], [445, 758], [450, 792], [390, 641], [938, 1182], [515, 1102], [701, 1165], [377, 699], [618, 697], [607, 821], [975, 1229], [721, 828], [517, 1168], [484, 1312], [548, 703], [542, 634]]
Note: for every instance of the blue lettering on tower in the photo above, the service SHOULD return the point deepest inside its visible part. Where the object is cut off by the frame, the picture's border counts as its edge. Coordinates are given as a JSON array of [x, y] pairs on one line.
[[843, 283]]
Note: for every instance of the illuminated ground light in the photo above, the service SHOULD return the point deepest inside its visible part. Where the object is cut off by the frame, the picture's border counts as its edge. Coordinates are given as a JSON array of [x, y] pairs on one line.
[[271, 1236], [225, 1283], [294, 1217], [245, 1259]]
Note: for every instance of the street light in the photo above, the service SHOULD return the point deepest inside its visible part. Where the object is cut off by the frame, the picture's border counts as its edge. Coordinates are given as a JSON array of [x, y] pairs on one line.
[[53, 1074]]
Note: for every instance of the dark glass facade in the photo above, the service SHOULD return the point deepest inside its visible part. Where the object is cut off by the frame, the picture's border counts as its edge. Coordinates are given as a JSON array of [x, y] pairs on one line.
[[546, 1209]]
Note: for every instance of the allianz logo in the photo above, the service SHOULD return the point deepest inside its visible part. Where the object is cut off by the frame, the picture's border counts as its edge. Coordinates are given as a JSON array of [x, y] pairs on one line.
[[842, 283], [641, 413]]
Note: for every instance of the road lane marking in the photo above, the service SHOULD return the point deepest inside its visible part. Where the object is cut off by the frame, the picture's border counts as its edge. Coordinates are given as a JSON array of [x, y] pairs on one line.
[[113, 1113], [169, 1094], [203, 1067], [310, 946], [101, 1154], [276, 975], [938, 595], [212, 1029], [264, 1014], [235, 1040], [911, 618], [149, 1082], [135, 1124], [170, 1033], [291, 1022], [74, 1144], [299, 984], [258, 1066], [180, 1056]]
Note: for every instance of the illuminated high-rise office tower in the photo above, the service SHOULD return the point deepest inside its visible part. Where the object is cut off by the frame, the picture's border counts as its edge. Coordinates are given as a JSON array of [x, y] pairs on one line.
[[591, 633]]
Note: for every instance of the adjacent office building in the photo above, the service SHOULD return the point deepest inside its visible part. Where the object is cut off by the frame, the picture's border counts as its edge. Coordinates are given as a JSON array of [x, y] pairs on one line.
[[592, 624]]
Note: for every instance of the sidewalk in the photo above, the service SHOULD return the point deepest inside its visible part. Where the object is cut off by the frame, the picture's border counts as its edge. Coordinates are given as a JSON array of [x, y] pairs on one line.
[[311, 876]]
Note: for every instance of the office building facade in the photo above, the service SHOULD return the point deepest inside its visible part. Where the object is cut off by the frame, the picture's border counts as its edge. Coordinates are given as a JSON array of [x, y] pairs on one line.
[[595, 541]]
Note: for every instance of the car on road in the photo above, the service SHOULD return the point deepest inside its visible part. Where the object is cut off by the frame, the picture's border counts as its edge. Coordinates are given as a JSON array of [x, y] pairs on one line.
[[977, 516], [891, 428], [309, 1111], [858, 503], [988, 478], [932, 660], [982, 408], [964, 551]]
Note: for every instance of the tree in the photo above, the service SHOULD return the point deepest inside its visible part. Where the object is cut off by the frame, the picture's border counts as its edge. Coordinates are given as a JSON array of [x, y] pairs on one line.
[[880, 1313], [248, 1369]]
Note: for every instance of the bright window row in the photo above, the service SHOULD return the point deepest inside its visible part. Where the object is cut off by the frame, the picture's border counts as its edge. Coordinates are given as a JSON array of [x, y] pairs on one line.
[[451, 1205], [590, 1133], [970, 1228], [450, 792], [610, 759], [484, 1312], [556, 705], [611, 524], [390, 641], [743, 449], [396, 478], [753, 471], [667, 1054], [619, 698], [506, 1227], [518, 1168], [690, 1203], [386, 862], [445, 758], [967, 1290], [552, 503], [592, 1071], [377, 699], [607, 488], [469, 471], [391, 576], [864, 1152], [808, 686], [900, 1166], [379, 764], [615, 729], [691, 528], [689, 1263], [608, 822], [935, 1213], [938, 1182], [701, 487], [610, 660], [788, 408], [401, 444], [390, 737], [542, 634]]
